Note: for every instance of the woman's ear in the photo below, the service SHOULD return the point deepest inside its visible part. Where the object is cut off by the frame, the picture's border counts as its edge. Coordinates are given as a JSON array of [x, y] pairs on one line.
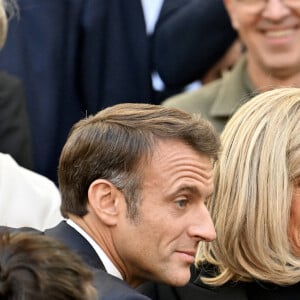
[[103, 199]]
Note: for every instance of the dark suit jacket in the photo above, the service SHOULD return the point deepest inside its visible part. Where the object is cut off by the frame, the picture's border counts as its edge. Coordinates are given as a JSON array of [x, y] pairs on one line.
[[78, 56], [108, 287], [190, 36], [75, 57], [15, 138]]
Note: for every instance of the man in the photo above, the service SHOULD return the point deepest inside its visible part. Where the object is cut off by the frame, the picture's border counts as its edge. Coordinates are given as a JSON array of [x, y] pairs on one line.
[[134, 179], [271, 34]]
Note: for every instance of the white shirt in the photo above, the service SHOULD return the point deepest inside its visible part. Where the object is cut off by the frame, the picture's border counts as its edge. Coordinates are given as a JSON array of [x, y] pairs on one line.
[[108, 264], [27, 199], [151, 9]]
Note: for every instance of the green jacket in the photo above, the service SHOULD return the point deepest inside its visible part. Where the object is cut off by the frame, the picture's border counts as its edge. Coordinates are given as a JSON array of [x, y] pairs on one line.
[[218, 100]]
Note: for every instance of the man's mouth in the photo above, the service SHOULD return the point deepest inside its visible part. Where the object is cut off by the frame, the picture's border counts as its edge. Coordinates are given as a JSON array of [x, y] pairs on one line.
[[187, 256], [279, 33]]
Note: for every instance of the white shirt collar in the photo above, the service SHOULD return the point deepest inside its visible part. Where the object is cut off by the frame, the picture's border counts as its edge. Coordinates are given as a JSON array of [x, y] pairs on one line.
[[151, 9], [109, 266]]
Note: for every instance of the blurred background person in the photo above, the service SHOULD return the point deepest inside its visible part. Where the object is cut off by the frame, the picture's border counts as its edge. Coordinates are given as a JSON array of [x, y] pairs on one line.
[[15, 133], [271, 36], [35, 267], [192, 44], [26, 198], [76, 57]]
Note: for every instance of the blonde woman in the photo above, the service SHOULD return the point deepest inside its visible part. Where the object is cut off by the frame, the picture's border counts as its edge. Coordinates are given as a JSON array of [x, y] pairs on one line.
[[256, 203]]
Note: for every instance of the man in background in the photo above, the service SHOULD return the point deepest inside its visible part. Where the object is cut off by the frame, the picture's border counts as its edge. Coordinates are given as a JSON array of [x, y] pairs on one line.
[[271, 35]]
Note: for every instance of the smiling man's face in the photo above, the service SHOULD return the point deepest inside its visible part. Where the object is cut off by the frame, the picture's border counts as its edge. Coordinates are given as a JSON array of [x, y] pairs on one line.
[[270, 31]]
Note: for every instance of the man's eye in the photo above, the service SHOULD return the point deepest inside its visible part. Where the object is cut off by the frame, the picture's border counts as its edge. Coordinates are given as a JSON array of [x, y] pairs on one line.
[[182, 203]]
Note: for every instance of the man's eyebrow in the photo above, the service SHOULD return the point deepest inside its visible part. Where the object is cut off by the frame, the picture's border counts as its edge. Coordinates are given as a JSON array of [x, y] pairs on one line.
[[189, 188]]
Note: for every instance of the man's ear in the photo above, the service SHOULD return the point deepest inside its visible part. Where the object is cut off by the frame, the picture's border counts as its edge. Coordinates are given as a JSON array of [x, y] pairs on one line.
[[103, 199]]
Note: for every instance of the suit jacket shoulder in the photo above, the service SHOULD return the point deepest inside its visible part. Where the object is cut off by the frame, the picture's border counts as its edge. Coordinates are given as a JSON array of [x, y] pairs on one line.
[[77, 243], [108, 287], [113, 288]]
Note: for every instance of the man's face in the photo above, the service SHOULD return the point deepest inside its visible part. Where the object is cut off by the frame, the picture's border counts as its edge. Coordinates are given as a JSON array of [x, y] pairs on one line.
[[294, 227], [271, 32], [172, 217]]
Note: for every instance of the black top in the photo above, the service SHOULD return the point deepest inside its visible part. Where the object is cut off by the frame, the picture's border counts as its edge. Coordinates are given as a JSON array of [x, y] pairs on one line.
[[196, 290], [14, 124]]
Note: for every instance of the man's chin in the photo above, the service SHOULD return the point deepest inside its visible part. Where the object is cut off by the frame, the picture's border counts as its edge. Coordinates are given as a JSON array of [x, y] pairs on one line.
[[180, 278]]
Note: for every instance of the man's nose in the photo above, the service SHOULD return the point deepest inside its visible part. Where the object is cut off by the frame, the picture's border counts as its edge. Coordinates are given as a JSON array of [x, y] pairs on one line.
[[275, 10], [203, 228]]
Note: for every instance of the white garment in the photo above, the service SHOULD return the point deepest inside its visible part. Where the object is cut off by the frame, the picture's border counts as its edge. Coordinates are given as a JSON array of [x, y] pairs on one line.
[[27, 199], [151, 9]]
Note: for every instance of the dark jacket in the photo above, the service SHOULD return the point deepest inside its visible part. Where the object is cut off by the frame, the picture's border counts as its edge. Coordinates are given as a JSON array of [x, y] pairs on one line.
[[190, 37], [196, 290], [75, 58], [15, 138], [108, 286]]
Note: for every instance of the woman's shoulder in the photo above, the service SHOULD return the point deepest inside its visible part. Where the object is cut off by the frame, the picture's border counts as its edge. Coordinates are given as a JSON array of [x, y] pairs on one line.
[[251, 290]]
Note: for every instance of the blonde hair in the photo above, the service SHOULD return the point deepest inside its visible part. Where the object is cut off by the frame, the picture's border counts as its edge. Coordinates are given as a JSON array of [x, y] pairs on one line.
[[3, 24], [253, 191]]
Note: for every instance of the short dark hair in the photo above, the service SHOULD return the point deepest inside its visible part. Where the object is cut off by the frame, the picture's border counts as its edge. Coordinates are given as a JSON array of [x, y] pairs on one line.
[[38, 267], [114, 143]]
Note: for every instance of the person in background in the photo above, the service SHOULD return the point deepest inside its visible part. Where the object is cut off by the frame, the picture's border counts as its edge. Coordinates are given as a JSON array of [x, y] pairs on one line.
[[78, 57], [35, 267], [192, 43], [134, 179], [269, 32], [15, 133], [26, 198], [255, 207]]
